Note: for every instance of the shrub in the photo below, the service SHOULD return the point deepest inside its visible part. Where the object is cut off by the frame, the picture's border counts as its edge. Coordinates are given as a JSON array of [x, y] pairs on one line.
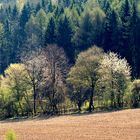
[[10, 135]]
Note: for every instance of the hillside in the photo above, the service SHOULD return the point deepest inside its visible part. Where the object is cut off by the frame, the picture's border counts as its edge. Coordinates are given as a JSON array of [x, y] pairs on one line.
[[122, 125], [68, 56]]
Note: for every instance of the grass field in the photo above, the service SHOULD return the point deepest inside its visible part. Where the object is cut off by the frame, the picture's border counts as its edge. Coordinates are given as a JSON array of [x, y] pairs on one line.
[[121, 125]]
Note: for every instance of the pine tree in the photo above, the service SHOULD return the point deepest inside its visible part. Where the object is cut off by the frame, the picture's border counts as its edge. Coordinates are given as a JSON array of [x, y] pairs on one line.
[[50, 35], [50, 6], [64, 36], [38, 7], [32, 41], [25, 15], [15, 12], [43, 4], [82, 38], [58, 11], [42, 20], [125, 31], [135, 29], [4, 50], [111, 31], [90, 30]]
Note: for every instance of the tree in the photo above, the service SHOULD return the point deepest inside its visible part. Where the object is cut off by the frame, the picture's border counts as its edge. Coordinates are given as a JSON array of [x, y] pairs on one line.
[[14, 91], [25, 15], [6, 100], [15, 80], [3, 49], [78, 95], [50, 35], [50, 6], [64, 36], [135, 41], [42, 22], [85, 72], [116, 72], [90, 30], [56, 72], [15, 12], [111, 31], [43, 4], [20, 4], [32, 35], [125, 40], [135, 96], [35, 66]]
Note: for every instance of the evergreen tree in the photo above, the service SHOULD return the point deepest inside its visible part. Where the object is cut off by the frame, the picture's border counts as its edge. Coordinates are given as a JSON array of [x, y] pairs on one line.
[[90, 30], [83, 38], [25, 15], [111, 31], [58, 11], [4, 51], [125, 30], [135, 41], [50, 35], [50, 6], [15, 12], [38, 7], [43, 4], [32, 30], [42, 21], [64, 36]]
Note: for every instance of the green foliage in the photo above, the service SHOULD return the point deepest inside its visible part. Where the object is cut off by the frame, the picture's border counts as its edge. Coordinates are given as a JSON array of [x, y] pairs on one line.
[[50, 35], [116, 73], [90, 29], [74, 26], [64, 36], [106, 75], [14, 90], [135, 97], [85, 72], [10, 135]]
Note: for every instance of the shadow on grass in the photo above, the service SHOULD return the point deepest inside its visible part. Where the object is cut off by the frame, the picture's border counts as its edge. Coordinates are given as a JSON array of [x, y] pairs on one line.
[[50, 116]]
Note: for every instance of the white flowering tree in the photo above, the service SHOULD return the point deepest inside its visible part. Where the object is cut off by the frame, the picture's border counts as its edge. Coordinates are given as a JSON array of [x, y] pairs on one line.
[[115, 73]]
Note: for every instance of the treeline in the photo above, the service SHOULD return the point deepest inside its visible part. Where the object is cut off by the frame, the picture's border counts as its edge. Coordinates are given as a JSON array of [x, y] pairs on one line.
[[45, 83], [47, 64], [74, 25]]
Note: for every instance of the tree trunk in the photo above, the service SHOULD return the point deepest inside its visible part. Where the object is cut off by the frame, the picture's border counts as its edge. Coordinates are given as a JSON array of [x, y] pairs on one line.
[[22, 112], [91, 106], [112, 99], [29, 106], [79, 106], [34, 90]]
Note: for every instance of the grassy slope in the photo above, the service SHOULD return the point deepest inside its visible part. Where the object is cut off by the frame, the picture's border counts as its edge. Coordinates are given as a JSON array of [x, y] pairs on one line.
[[122, 125]]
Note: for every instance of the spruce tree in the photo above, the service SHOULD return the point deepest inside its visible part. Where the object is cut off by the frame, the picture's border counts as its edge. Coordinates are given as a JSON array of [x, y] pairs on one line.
[[15, 12], [64, 36], [125, 30], [111, 31], [24, 16], [50, 35], [135, 29]]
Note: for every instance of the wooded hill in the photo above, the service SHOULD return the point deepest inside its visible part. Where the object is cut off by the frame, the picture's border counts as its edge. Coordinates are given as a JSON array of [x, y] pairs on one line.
[[55, 55]]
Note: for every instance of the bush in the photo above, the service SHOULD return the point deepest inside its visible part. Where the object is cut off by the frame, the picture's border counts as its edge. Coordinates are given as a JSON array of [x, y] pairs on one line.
[[10, 135], [135, 99]]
